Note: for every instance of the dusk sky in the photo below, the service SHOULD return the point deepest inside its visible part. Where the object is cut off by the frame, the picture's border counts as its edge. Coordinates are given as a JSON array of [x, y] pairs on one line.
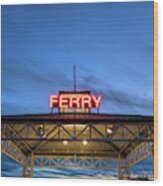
[[111, 45]]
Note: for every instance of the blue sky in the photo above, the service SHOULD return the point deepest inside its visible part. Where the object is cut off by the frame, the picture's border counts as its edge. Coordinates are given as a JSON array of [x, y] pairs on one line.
[[110, 43]]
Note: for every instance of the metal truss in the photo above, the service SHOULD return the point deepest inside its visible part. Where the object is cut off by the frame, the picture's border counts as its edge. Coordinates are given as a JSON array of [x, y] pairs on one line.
[[140, 152], [83, 162], [123, 165], [74, 161], [131, 144], [13, 151], [91, 132]]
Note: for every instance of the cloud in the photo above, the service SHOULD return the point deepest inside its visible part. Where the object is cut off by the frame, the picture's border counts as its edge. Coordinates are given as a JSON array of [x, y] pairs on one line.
[[120, 98]]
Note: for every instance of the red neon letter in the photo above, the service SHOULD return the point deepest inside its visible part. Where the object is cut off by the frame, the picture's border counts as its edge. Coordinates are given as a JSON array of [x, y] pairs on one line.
[[86, 101], [74, 102], [96, 100], [53, 101], [63, 102]]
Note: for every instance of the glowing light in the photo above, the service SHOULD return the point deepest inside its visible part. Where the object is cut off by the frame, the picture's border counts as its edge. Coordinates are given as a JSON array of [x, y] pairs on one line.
[[96, 100], [109, 131], [85, 142], [64, 101], [86, 101], [53, 101], [41, 130], [76, 125], [65, 142]]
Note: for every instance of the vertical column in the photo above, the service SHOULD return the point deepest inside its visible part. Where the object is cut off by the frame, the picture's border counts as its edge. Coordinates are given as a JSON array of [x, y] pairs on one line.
[[127, 172], [126, 169], [24, 170], [32, 165], [75, 160], [119, 166], [28, 170], [123, 168], [151, 144]]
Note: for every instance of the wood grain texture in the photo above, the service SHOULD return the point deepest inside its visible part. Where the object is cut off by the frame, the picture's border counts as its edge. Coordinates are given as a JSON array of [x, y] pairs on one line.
[[155, 90]]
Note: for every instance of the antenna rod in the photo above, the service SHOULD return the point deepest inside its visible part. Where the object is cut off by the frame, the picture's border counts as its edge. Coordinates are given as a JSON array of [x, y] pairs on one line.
[[74, 74]]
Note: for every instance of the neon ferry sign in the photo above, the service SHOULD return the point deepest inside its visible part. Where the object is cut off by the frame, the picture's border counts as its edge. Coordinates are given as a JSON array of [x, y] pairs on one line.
[[74, 100]]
